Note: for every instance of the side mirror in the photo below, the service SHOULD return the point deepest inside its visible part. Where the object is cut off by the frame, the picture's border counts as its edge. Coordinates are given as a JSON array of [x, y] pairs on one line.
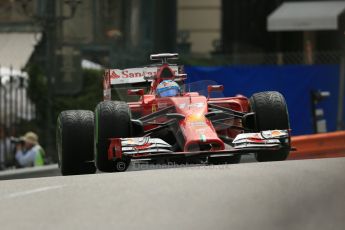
[[180, 77], [139, 92], [214, 88]]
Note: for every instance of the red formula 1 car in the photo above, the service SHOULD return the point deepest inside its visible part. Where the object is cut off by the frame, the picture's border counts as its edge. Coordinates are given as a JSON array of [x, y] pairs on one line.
[[188, 127]]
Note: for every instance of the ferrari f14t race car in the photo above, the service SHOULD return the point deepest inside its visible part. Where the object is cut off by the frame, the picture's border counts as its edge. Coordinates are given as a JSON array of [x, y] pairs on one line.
[[170, 123]]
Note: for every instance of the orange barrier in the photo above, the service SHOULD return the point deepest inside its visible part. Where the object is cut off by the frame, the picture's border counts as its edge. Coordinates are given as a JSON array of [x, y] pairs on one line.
[[323, 145]]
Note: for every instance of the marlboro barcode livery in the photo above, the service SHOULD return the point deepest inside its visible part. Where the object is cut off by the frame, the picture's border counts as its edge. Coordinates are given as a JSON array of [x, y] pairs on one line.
[[170, 123]]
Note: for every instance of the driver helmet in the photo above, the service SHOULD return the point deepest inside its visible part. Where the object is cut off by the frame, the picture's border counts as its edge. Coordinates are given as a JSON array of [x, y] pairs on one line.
[[168, 88]]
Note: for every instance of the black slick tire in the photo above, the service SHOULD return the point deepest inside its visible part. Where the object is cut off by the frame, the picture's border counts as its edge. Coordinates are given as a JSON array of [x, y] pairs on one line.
[[74, 140], [112, 120], [270, 113]]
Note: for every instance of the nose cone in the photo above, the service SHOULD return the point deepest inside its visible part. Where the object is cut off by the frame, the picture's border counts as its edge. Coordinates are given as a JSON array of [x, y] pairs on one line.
[[200, 134], [198, 131]]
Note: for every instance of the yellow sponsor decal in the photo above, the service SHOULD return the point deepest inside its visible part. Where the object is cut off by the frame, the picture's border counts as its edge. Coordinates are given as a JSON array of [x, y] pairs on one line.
[[195, 117], [154, 108]]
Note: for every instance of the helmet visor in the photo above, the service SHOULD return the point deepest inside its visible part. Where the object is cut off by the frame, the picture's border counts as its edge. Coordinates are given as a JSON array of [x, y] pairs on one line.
[[172, 92]]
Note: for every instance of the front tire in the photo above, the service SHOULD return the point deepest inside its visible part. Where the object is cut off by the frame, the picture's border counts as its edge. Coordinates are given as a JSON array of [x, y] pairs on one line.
[[112, 120], [270, 113], [74, 140]]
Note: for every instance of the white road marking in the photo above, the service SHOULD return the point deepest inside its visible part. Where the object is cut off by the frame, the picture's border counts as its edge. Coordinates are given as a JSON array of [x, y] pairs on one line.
[[29, 192]]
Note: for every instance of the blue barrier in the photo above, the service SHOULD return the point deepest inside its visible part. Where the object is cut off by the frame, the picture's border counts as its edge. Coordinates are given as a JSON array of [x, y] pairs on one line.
[[294, 81]]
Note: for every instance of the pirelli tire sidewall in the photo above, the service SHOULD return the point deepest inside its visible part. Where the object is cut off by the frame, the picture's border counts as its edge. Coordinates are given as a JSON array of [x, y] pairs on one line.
[[270, 113], [112, 119], [74, 140]]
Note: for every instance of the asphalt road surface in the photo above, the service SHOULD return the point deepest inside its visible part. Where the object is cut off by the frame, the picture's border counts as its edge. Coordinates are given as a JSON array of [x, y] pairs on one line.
[[308, 194], [53, 170]]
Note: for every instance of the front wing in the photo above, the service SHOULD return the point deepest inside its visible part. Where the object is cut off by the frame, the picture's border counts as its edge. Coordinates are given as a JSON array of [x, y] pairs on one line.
[[153, 148]]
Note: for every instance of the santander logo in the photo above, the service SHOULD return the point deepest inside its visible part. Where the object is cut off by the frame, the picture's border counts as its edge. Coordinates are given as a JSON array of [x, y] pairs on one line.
[[113, 75], [132, 75]]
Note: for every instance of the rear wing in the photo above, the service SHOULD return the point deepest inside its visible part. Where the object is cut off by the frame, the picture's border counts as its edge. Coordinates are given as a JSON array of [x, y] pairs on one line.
[[134, 75], [118, 77], [144, 74]]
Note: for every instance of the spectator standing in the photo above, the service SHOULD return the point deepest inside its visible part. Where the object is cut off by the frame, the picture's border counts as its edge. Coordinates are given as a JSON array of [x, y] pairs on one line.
[[29, 153]]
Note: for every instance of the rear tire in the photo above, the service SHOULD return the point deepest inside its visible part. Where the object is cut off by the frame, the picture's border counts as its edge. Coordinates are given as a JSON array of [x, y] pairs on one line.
[[112, 120], [270, 113], [74, 140]]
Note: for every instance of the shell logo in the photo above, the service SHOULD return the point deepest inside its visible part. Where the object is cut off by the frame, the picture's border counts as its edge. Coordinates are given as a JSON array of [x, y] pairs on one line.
[[276, 133]]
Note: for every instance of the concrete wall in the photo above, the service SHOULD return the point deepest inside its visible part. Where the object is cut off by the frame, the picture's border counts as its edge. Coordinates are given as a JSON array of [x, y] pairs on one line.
[[202, 19]]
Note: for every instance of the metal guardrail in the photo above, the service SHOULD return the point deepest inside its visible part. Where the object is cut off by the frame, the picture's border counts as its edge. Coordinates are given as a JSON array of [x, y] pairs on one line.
[[322, 145], [34, 172]]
